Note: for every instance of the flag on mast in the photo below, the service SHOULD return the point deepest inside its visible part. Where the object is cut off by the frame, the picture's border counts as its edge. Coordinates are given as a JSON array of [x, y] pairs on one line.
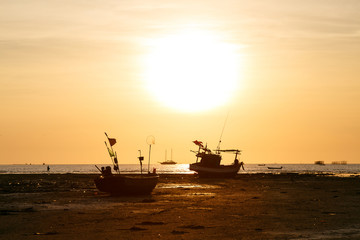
[[198, 143], [111, 153], [112, 141]]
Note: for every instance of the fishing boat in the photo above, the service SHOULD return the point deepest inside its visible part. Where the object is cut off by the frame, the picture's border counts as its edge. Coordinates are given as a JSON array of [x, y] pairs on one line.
[[168, 162], [208, 163], [120, 184], [124, 184], [272, 168]]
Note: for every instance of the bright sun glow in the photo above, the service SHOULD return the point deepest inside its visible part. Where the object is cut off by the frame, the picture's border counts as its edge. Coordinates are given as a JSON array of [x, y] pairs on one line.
[[192, 71]]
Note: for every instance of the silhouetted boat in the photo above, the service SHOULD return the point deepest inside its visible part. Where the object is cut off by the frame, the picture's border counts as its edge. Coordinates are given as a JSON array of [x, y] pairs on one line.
[[168, 161], [275, 167], [209, 164], [121, 184], [339, 162]]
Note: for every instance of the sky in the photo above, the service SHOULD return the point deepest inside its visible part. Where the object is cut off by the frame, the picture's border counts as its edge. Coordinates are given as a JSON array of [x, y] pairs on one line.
[[278, 79]]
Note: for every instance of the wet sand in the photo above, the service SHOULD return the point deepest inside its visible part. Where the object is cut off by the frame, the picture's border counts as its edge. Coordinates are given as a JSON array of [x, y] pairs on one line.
[[257, 206]]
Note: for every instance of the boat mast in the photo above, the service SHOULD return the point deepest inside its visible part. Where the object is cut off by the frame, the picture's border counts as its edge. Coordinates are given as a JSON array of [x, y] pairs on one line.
[[218, 146], [149, 158], [112, 153], [197, 155], [141, 158], [150, 140]]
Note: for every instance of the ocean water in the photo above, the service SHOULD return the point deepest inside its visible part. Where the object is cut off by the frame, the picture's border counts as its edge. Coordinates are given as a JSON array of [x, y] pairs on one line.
[[340, 170]]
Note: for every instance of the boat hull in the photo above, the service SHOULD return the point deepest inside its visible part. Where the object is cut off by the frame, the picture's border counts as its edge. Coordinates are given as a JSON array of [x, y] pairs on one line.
[[127, 184], [221, 171]]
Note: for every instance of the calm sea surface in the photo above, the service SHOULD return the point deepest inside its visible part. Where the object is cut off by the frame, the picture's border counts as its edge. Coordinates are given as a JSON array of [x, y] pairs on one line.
[[341, 170]]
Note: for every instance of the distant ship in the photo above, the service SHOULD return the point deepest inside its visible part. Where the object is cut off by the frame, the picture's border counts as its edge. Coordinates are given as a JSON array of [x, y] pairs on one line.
[[339, 163], [168, 162], [275, 167]]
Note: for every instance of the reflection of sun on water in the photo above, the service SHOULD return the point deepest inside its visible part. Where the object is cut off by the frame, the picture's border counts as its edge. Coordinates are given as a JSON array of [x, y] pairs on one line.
[[192, 71]]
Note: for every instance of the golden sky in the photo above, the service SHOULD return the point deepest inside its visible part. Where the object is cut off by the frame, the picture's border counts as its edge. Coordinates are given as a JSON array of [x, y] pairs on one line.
[[286, 73]]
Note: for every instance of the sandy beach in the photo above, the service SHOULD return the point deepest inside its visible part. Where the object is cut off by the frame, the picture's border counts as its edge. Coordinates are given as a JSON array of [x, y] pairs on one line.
[[251, 206]]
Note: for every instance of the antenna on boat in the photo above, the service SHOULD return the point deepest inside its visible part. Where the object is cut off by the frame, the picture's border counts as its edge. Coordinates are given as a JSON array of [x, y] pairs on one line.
[[218, 146], [150, 140]]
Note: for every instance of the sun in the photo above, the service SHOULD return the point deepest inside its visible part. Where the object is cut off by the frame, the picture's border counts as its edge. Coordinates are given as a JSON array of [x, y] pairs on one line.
[[192, 70]]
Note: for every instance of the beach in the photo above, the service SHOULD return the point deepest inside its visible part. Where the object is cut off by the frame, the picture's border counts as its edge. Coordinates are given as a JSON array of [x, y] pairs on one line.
[[182, 206]]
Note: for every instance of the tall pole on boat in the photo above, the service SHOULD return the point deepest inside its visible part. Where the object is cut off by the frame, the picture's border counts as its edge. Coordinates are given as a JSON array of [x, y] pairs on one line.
[[112, 154], [150, 140], [149, 158], [197, 155]]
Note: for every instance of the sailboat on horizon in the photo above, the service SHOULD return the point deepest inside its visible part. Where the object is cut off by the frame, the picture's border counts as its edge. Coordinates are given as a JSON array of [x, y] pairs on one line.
[[170, 161]]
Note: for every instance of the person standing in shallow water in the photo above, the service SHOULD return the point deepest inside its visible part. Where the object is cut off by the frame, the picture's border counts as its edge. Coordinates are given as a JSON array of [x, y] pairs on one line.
[[48, 168]]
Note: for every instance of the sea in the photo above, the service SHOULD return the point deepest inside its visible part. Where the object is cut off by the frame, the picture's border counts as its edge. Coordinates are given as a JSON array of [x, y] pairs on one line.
[[342, 170]]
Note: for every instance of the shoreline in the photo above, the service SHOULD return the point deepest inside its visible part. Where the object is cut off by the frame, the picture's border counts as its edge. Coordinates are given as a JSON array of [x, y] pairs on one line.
[[182, 206]]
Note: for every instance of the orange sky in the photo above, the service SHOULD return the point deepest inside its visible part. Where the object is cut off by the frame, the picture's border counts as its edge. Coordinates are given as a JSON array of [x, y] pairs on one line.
[[70, 70]]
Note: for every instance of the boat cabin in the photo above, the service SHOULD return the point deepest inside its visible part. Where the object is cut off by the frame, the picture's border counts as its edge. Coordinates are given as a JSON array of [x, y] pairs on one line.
[[209, 160]]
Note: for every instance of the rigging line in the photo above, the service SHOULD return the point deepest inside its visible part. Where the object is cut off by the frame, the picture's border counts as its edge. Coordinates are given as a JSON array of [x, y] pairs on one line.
[[218, 146]]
